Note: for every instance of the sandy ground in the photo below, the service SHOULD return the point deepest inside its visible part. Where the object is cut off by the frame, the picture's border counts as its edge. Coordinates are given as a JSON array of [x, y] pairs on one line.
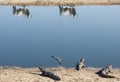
[[17, 74], [59, 2]]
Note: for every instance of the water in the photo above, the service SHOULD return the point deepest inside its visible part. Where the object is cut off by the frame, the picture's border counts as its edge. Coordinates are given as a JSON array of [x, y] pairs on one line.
[[90, 32]]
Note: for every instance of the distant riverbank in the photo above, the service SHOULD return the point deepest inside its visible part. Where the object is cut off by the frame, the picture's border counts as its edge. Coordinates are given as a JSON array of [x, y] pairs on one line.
[[59, 2], [17, 74]]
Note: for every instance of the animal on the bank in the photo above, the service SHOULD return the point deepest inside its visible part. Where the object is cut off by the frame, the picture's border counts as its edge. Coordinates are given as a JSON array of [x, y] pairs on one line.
[[80, 64], [105, 72], [49, 74], [57, 59], [21, 11], [67, 10]]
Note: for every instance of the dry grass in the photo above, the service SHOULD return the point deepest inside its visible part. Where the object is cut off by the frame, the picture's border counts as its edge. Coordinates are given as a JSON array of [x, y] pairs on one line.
[[16, 74], [59, 2]]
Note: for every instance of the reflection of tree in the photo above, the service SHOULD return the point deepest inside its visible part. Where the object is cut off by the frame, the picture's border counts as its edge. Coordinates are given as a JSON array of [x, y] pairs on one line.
[[68, 10], [21, 11]]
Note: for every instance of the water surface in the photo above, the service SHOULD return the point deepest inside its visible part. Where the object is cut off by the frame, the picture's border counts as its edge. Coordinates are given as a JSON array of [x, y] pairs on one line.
[[90, 32]]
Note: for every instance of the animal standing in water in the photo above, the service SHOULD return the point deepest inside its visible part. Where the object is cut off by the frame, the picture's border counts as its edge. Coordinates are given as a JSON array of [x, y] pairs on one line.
[[105, 72], [57, 59], [68, 10], [80, 64], [21, 11]]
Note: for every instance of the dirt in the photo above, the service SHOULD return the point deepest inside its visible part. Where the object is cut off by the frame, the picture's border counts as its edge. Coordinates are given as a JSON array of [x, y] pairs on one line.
[[17, 74], [59, 2]]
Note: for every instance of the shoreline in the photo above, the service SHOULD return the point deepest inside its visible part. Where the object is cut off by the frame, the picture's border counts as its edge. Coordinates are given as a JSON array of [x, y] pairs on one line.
[[58, 2], [18, 74]]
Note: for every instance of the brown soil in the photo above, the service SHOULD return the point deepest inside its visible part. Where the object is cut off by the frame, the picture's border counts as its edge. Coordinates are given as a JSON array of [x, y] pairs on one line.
[[17, 74], [59, 2]]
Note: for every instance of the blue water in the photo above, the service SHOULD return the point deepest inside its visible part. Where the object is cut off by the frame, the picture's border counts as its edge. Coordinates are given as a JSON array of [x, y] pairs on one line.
[[93, 33]]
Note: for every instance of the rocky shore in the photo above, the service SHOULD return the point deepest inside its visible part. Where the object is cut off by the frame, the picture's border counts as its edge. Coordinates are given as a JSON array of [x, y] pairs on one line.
[[59, 2], [17, 74]]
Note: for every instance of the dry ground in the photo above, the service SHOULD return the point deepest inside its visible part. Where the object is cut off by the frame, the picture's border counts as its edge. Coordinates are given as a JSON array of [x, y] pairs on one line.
[[59, 2], [16, 74]]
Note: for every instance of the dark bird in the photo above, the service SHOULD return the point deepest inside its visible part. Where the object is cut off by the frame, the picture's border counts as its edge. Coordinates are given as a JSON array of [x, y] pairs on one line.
[[105, 72], [80, 64], [49, 74], [57, 59]]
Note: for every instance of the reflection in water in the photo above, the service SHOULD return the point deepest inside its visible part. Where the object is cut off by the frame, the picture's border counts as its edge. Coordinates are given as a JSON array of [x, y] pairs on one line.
[[64, 10], [94, 39], [21, 11], [68, 10]]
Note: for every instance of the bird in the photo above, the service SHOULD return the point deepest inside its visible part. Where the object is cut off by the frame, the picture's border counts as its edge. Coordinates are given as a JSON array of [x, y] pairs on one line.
[[80, 64], [57, 59], [106, 72], [49, 74]]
